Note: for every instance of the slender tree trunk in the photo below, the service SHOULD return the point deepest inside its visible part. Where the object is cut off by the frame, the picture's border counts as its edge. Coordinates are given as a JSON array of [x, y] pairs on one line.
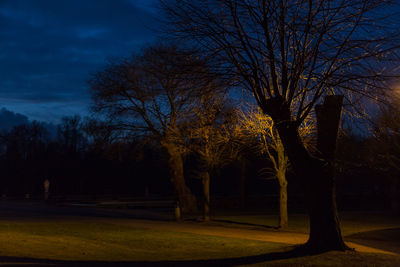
[[187, 201], [283, 211], [206, 193]]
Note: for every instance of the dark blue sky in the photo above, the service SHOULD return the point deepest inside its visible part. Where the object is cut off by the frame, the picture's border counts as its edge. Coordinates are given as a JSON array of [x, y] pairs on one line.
[[48, 48]]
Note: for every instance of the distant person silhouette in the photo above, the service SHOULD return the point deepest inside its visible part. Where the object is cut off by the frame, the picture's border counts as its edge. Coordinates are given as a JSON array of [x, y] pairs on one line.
[[46, 185]]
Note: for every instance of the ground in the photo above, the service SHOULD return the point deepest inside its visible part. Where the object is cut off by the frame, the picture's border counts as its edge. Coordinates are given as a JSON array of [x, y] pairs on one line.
[[36, 234]]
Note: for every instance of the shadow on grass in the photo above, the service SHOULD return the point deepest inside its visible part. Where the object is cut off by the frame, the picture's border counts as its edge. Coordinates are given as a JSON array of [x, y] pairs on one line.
[[247, 224], [385, 239], [290, 253]]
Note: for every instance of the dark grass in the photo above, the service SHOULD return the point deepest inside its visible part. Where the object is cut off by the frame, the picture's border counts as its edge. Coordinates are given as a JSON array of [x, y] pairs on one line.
[[74, 237]]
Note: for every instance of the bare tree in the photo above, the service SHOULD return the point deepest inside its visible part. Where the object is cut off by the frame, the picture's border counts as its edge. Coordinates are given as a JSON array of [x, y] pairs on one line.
[[25, 141], [386, 147], [255, 123], [153, 94], [290, 54], [70, 134], [210, 135]]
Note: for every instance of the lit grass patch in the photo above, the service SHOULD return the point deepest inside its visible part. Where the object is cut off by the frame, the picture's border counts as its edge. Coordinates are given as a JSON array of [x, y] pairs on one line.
[[351, 223], [90, 240], [298, 223], [114, 240]]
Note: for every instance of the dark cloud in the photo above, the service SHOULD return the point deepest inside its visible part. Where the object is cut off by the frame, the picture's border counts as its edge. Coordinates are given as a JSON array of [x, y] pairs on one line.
[[48, 49], [9, 119]]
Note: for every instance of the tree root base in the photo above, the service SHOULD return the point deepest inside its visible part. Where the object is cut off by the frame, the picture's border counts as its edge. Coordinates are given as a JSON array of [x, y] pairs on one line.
[[312, 249]]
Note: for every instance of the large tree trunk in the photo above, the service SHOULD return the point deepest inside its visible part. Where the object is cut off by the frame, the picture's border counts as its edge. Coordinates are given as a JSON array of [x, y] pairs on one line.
[[206, 196], [325, 233], [317, 178], [187, 201], [283, 211]]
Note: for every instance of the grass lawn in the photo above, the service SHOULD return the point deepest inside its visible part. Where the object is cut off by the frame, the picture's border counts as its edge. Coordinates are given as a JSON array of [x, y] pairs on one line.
[[105, 241], [74, 240], [351, 222]]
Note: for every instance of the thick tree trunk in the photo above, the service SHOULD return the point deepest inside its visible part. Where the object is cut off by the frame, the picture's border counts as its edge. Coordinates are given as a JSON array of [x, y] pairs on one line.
[[324, 222], [206, 196], [325, 233], [187, 201], [317, 179], [283, 211]]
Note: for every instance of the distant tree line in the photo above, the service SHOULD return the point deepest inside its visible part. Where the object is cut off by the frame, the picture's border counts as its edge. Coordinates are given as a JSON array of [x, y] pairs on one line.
[[89, 158], [86, 159]]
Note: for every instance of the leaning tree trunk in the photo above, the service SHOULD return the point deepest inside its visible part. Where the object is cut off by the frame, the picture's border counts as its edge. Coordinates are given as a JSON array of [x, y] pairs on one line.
[[187, 201], [317, 177], [206, 196], [283, 211]]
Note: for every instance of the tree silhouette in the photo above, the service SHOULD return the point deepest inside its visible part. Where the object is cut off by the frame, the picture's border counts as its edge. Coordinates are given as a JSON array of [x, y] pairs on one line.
[[291, 54], [70, 135], [153, 94], [386, 147], [211, 133], [255, 123]]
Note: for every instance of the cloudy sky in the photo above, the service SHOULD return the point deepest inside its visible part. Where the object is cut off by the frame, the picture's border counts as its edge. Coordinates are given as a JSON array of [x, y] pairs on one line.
[[49, 48]]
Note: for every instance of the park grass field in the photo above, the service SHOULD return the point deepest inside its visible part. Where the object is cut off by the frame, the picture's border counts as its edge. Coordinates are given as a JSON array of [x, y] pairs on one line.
[[351, 222], [86, 241], [107, 241], [33, 234]]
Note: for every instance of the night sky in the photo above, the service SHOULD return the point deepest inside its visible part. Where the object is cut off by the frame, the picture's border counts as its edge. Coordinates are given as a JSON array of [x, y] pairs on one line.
[[49, 48]]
